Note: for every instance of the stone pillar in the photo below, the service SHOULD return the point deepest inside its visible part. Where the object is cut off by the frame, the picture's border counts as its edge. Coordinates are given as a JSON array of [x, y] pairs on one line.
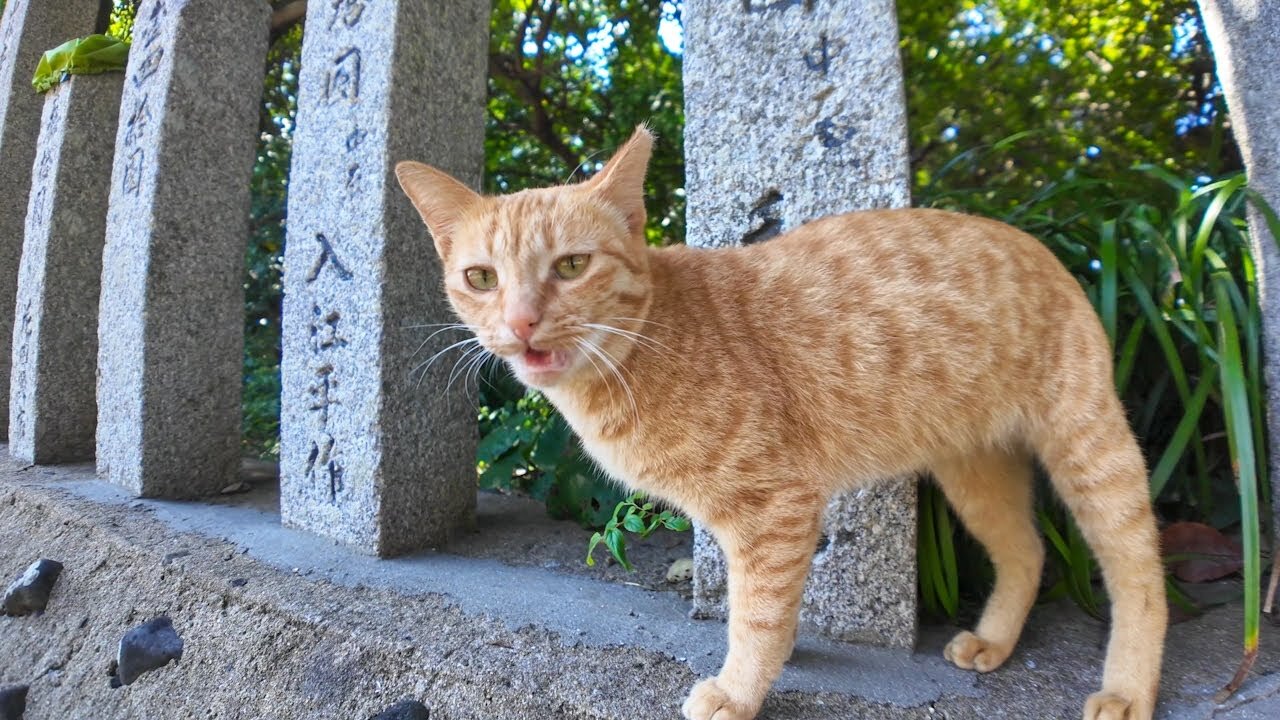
[[53, 410], [28, 28], [1244, 36], [795, 110], [172, 305], [370, 453]]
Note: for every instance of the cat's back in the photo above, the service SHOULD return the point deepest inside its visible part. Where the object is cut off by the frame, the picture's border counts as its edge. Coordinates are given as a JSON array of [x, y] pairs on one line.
[[895, 323], [911, 250]]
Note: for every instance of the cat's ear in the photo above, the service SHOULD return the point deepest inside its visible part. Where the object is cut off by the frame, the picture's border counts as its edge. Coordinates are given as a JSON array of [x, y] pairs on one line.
[[621, 182], [440, 200]]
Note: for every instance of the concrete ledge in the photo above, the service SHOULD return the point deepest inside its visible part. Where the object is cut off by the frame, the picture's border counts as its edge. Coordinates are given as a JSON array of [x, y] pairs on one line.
[[281, 624]]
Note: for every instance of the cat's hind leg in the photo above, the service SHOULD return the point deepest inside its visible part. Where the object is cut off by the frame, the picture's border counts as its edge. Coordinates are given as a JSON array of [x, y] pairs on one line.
[[991, 491], [1098, 471]]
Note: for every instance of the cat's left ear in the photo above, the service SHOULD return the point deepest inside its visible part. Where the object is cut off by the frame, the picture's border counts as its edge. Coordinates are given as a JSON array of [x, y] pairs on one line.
[[440, 200], [621, 182]]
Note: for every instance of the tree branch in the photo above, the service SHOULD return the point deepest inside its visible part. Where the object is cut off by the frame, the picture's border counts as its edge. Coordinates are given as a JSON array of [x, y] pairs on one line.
[[286, 16]]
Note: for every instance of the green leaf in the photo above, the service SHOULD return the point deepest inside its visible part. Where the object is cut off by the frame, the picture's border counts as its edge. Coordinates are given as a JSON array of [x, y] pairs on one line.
[[634, 523], [591, 548], [552, 443], [679, 524], [498, 473], [617, 544], [84, 56]]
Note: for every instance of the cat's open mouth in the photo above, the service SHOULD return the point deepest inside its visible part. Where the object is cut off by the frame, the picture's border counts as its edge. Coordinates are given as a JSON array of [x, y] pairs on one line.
[[541, 364]]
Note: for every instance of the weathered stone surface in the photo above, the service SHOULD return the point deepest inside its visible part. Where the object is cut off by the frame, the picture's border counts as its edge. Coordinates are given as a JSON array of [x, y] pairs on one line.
[[53, 410], [1243, 35], [172, 302], [813, 125], [30, 592], [28, 28], [372, 454], [150, 646]]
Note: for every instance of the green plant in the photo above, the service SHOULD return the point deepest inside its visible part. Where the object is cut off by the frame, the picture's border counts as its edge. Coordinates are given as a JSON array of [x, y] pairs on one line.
[[527, 447], [635, 515]]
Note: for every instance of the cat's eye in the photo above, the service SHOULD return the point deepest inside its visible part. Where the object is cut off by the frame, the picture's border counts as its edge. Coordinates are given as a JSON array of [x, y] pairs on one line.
[[482, 278], [571, 266]]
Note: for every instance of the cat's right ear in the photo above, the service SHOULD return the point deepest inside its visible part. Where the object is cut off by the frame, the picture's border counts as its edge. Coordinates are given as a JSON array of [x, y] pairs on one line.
[[439, 199]]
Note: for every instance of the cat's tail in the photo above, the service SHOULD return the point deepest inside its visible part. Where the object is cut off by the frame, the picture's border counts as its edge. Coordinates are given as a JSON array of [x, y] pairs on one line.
[[1096, 467]]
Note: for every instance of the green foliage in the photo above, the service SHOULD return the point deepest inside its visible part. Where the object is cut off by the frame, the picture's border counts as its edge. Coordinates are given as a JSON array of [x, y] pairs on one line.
[[569, 81], [264, 255], [1095, 82], [633, 515], [527, 447]]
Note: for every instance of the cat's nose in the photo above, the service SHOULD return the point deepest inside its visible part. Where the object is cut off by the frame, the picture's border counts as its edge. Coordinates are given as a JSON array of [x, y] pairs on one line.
[[523, 322]]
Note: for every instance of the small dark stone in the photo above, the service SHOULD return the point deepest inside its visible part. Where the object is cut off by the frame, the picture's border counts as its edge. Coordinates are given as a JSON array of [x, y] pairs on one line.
[[239, 582], [30, 593], [404, 710], [149, 646], [13, 702]]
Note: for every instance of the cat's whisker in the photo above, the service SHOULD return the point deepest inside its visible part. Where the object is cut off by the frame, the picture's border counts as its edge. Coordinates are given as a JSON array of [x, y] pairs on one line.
[[478, 374], [643, 320], [436, 325], [460, 366], [611, 364], [638, 338], [425, 366], [446, 328], [587, 353]]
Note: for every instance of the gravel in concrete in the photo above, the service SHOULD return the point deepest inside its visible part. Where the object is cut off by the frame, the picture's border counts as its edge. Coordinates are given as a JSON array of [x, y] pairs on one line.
[[30, 592]]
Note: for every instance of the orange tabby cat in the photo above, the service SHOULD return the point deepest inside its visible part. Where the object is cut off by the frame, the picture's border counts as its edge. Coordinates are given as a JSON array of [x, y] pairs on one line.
[[746, 386]]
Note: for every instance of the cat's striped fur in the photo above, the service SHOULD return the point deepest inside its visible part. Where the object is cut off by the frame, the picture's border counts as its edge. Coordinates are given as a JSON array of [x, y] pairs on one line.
[[746, 386]]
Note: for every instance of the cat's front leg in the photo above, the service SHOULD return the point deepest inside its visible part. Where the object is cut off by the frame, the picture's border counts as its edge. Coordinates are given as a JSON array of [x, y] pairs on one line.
[[768, 565]]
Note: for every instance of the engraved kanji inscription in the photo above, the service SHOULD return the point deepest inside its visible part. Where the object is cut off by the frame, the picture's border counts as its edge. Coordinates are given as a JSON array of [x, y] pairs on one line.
[[819, 59], [346, 12], [133, 166], [832, 135], [327, 256], [343, 83], [322, 392], [356, 138], [324, 463], [148, 66], [767, 216], [325, 332], [138, 121], [761, 6]]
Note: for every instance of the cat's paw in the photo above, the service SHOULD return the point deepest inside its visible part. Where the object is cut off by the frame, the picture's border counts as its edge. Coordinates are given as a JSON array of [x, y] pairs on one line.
[[707, 701], [971, 652], [1108, 705]]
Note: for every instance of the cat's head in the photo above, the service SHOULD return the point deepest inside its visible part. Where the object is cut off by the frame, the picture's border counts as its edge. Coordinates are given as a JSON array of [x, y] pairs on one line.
[[548, 279]]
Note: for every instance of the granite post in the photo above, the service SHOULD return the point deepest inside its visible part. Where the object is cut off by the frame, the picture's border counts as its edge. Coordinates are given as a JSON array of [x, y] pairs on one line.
[[1245, 37], [27, 29], [53, 410], [171, 314], [795, 110], [373, 453]]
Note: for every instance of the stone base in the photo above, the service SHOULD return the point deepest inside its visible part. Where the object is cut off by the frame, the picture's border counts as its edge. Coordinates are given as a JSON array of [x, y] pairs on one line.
[[862, 586], [281, 624]]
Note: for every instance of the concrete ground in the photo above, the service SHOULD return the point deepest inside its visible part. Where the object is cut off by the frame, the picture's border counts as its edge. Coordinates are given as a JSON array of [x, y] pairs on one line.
[[507, 623]]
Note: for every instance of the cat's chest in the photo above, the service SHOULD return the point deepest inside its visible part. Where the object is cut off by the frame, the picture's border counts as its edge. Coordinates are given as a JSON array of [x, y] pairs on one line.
[[619, 452]]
